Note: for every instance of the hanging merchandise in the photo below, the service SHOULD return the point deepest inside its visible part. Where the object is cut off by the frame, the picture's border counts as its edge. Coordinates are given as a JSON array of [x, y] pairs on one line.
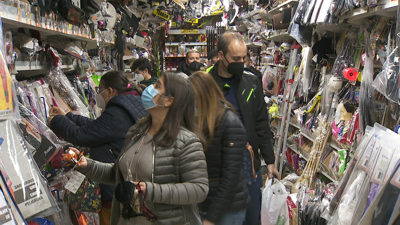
[[40, 139], [63, 92], [367, 116], [31, 194], [10, 214], [386, 82], [6, 91]]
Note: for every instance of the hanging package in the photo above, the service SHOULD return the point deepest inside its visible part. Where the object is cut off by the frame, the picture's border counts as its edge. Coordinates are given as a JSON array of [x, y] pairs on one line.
[[386, 82], [29, 187]]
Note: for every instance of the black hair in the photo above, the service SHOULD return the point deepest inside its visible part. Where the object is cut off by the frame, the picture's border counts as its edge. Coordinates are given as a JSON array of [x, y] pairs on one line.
[[226, 39], [142, 64], [212, 54], [119, 82]]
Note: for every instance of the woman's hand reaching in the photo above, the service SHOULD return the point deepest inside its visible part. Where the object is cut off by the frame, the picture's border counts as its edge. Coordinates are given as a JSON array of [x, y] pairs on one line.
[[73, 154], [54, 111]]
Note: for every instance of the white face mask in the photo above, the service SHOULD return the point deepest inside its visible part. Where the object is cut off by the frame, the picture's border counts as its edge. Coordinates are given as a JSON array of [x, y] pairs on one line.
[[100, 101], [138, 77]]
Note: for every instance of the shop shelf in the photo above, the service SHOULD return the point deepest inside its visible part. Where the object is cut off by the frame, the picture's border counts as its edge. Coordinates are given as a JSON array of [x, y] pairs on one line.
[[322, 168], [191, 31], [308, 136], [34, 70], [280, 66], [280, 37], [277, 9], [188, 44], [295, 125], [388, 9], [129, 57], [11, 21], [169, 55], [254, 44], [170, 69]]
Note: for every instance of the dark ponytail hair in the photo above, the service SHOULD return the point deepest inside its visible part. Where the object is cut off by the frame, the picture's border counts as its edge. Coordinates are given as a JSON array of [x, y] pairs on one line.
[[119, 82]]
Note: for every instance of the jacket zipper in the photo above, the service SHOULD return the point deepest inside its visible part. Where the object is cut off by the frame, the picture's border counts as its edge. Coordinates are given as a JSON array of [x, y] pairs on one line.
[[84, 191], [152, 169]]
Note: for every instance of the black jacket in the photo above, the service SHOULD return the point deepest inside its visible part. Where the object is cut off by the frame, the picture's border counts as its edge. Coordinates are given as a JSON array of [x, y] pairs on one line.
[[254, 112], [255, 72], [184, 68], [106, 135], [228, 190]]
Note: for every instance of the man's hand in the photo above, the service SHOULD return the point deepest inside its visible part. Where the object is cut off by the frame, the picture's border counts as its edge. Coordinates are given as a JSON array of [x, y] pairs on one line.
[[207, 222], [56, 111], [273, 171]]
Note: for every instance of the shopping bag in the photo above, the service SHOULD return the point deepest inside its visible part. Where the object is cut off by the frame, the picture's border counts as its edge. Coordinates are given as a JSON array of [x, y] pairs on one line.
[[86, 199], [274, 209]]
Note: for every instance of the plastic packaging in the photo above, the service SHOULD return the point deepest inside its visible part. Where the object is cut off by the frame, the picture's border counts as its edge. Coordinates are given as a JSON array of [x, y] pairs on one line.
[[7, 104], [274, 207], [366, 114], [386, 82], [29, 187], [40, 139], [63, 89], [346, 53]]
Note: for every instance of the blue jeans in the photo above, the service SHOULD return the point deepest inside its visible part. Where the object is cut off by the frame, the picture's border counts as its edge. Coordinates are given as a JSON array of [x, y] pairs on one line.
[[253, 212], [231, 218]]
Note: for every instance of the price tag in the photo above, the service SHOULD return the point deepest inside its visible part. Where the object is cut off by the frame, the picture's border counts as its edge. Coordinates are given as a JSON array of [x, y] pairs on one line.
[[75, 181], [193, 31], [192, 20], [382, 165], [162, 14], [174, 24], [365, 160]]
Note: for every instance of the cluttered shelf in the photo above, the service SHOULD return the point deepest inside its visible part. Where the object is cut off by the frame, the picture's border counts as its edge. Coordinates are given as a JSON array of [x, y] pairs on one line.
[[387, 9], [188, 43], [11, 21], [280, 37], [278, 8], [323, 168]]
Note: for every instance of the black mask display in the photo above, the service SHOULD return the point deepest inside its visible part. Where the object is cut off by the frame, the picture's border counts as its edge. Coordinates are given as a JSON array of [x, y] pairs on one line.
[[194, 66], [235, 68]]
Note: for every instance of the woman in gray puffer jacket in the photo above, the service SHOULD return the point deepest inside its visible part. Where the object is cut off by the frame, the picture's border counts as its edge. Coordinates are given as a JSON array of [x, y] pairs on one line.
[[163, 154]]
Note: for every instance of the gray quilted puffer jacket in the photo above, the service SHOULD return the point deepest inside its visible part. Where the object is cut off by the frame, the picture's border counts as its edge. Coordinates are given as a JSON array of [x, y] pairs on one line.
[[179, 179]]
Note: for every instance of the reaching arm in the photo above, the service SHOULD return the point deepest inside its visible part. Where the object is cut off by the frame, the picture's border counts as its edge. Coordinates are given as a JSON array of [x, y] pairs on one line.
[[103, 173], [96, 133], [78, 119]]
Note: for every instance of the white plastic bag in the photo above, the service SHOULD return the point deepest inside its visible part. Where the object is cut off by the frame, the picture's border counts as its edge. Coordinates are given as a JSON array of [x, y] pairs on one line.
[[274, 205]]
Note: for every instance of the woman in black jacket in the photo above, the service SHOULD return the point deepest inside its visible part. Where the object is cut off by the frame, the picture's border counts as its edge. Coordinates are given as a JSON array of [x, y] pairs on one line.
[[106, 135], [228, 196]]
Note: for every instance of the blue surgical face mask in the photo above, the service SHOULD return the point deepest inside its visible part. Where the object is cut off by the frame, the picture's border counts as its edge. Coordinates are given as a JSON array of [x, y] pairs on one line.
[[148, 97]]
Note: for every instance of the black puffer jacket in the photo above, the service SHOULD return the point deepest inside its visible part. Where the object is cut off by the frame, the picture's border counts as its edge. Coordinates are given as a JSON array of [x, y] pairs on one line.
[[106, 135], [228, 189], [184, 68]]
